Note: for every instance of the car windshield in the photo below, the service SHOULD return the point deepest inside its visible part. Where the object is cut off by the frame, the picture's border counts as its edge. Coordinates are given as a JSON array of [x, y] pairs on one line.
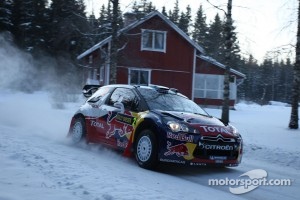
[[170, 101]]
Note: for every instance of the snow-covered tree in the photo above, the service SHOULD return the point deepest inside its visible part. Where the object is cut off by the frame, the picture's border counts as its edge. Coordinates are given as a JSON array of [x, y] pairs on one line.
[[200, 32], [68, 26], [215, 39], [142, 8], [5, 15], [164, 12], [185, 20], [174, 15]]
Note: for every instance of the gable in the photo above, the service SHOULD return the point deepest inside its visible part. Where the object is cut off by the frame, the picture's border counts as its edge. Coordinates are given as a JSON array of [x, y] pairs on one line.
[[140, 22], [178, 54]]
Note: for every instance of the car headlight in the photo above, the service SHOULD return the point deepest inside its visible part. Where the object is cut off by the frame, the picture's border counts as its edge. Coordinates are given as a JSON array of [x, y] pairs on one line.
[[234, 130], [180, 127]]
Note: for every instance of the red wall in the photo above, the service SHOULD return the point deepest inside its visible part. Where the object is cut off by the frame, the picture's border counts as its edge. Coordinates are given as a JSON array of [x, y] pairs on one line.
[[178, 57]]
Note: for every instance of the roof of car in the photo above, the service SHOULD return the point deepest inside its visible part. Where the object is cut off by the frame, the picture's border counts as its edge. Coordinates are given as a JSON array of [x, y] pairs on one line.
[[150, 86]]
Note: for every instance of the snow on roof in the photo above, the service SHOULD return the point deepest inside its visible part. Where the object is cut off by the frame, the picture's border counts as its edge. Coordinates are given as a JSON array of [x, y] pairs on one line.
[[215, 62], [137, 23]]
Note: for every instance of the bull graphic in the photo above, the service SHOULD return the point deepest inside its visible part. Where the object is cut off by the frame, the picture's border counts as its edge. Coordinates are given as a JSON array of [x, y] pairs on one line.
[[116, 131], [179, 150], [110, 117]]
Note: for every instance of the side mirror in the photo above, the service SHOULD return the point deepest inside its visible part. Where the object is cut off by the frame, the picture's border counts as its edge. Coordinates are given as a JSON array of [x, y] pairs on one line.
[[89, 90], [120, 106]]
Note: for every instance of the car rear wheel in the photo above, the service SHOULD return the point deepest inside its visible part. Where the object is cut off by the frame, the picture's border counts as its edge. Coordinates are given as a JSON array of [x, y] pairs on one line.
[[146, 149], [78, 131]]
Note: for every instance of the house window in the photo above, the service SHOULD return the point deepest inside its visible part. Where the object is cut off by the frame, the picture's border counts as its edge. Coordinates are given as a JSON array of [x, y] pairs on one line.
[[154, 40], [212, 87], [139, 77]]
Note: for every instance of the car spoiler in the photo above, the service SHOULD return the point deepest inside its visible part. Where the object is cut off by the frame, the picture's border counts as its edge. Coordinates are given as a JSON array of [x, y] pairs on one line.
[[89, 90]]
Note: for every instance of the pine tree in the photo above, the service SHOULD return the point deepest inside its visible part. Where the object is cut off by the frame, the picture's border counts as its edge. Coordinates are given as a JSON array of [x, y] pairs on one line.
[[40, 24], [164, 12], [94, 30], [287, 79], [215, 39], [142, 8], [104, 29], [174, 15], [200, 32], [5, 15], [185, 20], [266, 81], [16, 21], [68, 26]]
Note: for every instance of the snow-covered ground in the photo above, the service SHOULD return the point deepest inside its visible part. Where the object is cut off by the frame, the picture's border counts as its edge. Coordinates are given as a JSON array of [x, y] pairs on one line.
[[38, 162]]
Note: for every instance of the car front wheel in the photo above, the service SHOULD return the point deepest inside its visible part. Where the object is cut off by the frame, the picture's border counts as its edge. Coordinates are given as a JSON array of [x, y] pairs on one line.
[[146, 149]]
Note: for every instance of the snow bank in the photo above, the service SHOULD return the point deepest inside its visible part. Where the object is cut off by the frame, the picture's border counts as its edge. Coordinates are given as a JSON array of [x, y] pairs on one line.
[[37, 162]]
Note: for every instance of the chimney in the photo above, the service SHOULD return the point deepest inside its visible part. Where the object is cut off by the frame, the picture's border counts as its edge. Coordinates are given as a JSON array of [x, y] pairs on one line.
[[129, 18]]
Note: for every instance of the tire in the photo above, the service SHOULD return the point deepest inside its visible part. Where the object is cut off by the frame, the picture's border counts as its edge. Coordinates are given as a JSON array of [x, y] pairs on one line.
[[146, 150], [78, 131]]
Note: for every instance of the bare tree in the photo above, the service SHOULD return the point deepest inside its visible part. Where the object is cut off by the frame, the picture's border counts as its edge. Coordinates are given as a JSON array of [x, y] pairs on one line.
[[296, 80], [114, 43], [228, 45]]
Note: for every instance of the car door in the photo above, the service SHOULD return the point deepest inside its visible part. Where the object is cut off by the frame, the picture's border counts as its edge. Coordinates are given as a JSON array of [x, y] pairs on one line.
[[96, 115], [121, 107]]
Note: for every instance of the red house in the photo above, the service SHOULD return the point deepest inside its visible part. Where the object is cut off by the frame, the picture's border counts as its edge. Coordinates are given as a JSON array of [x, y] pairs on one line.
[[155, 51]]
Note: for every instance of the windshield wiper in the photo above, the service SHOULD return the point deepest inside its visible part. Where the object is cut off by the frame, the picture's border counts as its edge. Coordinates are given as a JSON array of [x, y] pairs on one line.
[[203, 115]]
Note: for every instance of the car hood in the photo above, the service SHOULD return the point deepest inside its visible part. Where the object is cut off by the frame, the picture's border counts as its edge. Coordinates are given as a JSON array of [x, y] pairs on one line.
[[207, 125]]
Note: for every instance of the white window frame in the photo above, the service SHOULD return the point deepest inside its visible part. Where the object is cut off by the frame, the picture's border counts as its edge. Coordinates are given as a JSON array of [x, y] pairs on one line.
[[153, 40], [138, 69]]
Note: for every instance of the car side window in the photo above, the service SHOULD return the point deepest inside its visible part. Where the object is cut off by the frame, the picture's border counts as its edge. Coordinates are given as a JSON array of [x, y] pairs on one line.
[[125, 96]]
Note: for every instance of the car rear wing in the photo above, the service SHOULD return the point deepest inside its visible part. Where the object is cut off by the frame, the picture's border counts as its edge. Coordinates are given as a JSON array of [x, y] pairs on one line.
[[89, 90]]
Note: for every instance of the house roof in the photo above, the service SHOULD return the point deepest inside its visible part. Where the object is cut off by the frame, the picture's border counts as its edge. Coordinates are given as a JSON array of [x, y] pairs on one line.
[[139, 22], [218, 64]]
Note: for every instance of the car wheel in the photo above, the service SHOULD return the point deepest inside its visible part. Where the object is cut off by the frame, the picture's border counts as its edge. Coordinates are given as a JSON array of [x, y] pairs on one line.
[[78, 131], [146, 150]]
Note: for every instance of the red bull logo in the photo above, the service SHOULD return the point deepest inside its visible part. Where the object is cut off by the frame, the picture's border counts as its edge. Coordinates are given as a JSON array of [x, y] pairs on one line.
[[179, 150]]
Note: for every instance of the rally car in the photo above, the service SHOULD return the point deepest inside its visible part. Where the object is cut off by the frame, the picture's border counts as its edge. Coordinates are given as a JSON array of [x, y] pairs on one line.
[[155, 124]]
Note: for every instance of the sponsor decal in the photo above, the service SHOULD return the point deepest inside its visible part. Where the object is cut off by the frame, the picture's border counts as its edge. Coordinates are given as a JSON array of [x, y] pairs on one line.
[[214, 129], [116, 131], [217, 157], [215, 147], [122, 144], [197, 164], [97, 124], [126, 119], [172, 161], [180, 137], [179, 150]]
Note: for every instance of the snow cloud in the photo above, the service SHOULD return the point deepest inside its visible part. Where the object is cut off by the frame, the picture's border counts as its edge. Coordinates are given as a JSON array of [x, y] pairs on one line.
[[19, 70]]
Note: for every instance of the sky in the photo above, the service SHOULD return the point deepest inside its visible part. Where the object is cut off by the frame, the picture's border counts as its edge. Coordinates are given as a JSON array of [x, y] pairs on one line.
[[263, 26]]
